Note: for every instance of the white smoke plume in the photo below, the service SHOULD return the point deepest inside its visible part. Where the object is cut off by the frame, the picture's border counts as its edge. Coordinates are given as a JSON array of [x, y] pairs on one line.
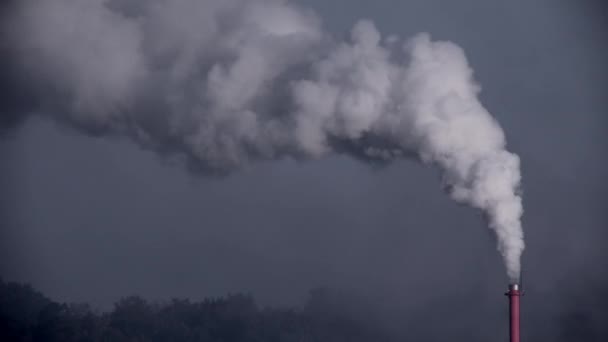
[[223, 83]]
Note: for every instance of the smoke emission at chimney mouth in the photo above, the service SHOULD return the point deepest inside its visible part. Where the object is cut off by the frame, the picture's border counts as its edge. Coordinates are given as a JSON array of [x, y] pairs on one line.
[[222, 84]]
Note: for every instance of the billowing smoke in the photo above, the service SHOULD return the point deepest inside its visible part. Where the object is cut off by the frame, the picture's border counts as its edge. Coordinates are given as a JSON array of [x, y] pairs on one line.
[[219, 84]]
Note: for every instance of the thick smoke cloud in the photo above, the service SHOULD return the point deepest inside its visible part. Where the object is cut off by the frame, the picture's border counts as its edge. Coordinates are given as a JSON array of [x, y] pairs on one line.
[[220, 84]]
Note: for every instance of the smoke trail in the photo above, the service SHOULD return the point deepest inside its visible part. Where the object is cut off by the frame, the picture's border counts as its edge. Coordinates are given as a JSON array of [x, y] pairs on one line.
[[223, 83]]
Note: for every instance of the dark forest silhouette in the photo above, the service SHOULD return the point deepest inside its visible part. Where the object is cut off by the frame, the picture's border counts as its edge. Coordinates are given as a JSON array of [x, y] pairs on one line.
[[328, 315], [27, 315]]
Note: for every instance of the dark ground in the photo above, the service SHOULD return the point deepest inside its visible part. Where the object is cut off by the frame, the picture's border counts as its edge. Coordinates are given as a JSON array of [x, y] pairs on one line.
[[328, 315]]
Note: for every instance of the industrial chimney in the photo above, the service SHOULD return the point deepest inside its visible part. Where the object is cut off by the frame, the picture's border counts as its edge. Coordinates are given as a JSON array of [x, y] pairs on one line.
[[514, 294]]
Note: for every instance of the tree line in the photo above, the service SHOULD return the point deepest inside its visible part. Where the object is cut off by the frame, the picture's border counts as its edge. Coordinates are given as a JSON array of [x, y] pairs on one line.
[[27, 315]]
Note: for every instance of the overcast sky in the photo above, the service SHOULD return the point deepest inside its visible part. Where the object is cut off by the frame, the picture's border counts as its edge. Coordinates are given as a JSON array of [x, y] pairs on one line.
[[93, 219]]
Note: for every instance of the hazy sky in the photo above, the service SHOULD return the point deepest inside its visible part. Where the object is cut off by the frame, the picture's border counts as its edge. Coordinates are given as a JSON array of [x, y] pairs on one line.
[[93, 219]]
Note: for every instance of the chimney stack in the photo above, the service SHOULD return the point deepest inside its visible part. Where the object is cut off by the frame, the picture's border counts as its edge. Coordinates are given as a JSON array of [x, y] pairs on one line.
[[514, 294]]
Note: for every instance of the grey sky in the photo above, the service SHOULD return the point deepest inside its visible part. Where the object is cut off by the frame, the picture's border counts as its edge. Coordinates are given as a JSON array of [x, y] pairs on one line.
[[91, 219]]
